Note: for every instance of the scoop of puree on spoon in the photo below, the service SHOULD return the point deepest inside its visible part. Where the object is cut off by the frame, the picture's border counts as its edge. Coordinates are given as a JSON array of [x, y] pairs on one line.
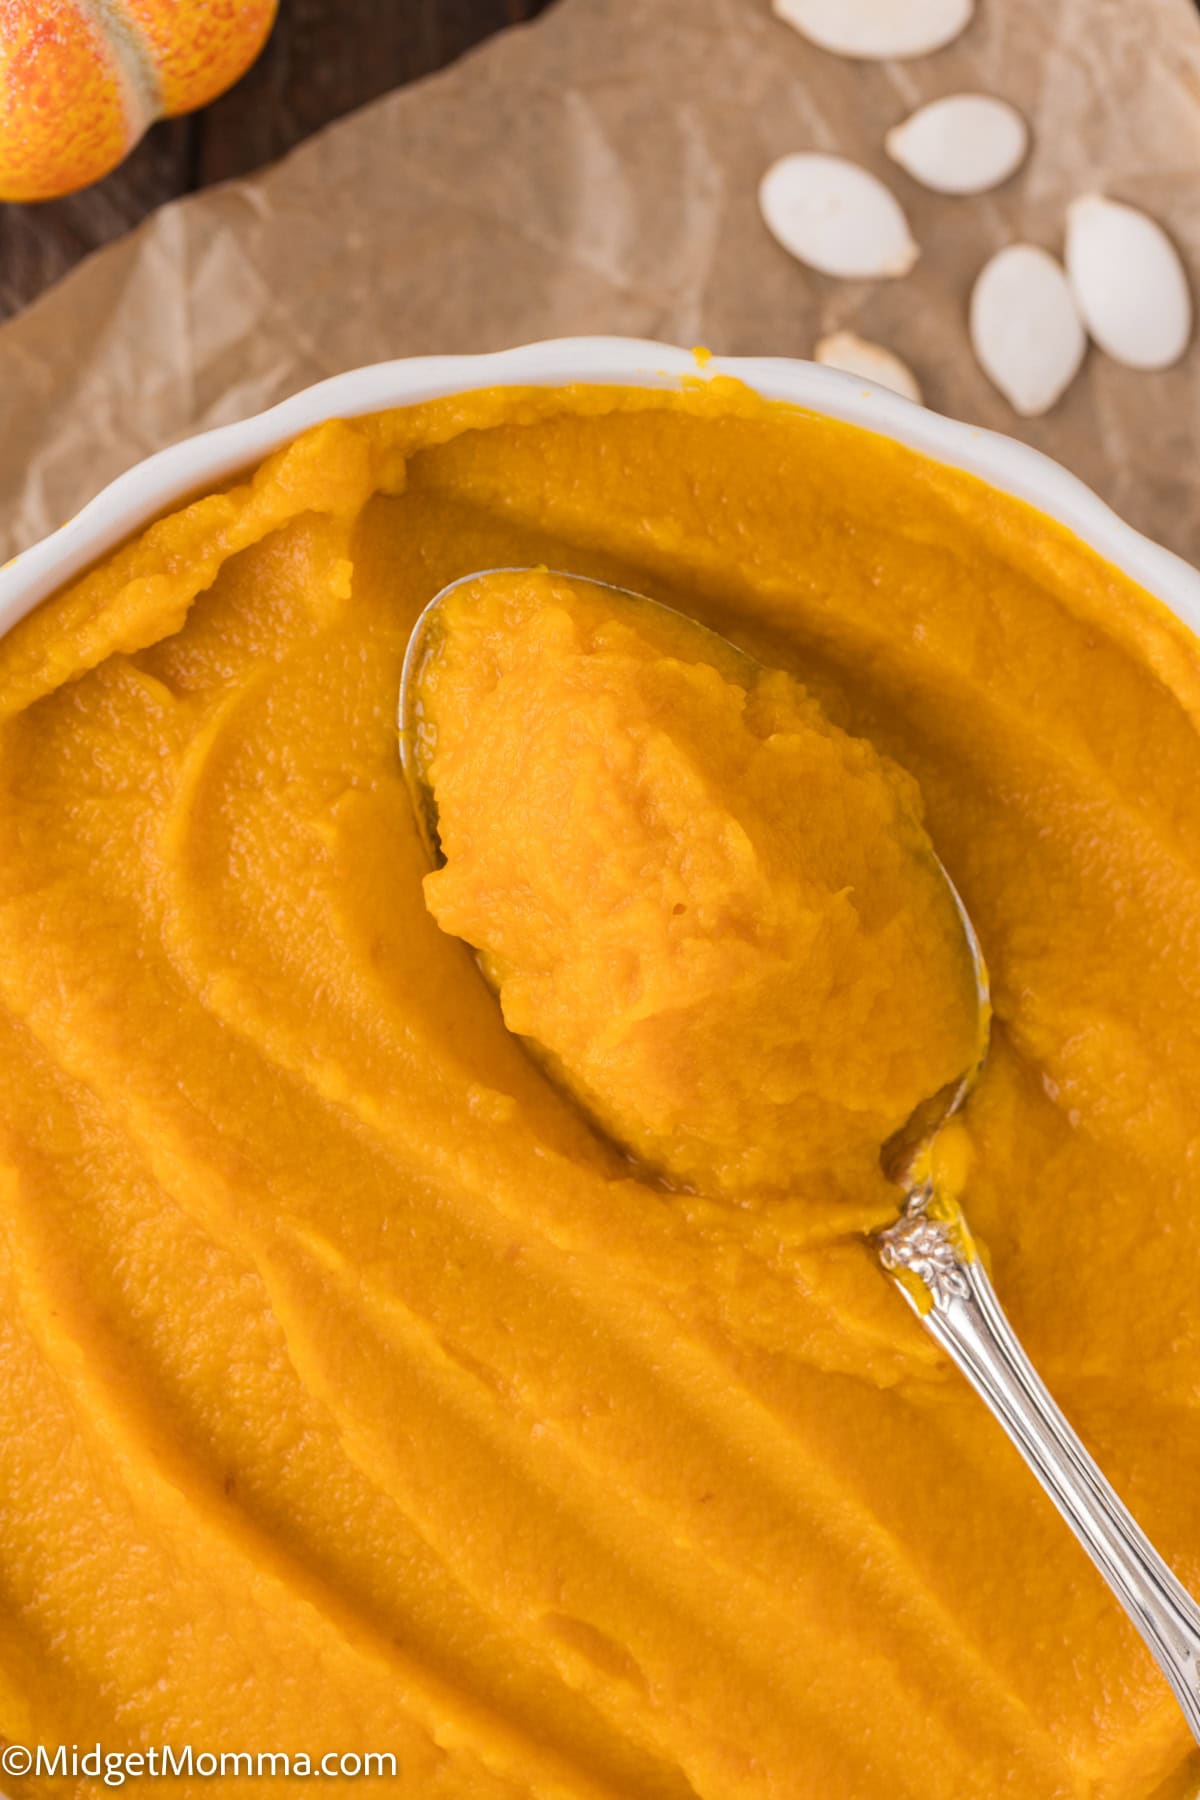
[[928, 1250]]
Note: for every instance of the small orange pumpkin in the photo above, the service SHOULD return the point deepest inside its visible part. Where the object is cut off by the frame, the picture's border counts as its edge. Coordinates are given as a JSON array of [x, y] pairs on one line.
[[80, 80]]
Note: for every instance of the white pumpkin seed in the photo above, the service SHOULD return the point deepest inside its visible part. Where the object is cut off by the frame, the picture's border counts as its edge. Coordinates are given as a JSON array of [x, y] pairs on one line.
[[1025, 330], [877, 28], [961, 144], [1128, 282], [858, 356], [836, 217]]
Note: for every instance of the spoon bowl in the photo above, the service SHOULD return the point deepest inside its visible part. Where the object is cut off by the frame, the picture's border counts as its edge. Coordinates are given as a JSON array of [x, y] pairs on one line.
[[907, 1151], [928, 1252]]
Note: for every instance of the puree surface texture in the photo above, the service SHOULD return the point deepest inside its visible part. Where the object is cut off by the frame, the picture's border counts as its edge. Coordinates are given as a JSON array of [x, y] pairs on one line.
[[718, 919], [356, 1397]]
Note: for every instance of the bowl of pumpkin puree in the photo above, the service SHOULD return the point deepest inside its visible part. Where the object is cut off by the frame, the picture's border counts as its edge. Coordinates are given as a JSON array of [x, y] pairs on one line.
[[360, 1398]]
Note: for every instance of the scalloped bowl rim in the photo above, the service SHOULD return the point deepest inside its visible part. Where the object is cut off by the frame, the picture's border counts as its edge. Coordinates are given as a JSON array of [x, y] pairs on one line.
[[203, 461]]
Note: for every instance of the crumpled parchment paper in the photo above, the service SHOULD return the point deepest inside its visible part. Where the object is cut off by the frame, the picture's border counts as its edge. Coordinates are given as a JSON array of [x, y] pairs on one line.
[[597, 172]]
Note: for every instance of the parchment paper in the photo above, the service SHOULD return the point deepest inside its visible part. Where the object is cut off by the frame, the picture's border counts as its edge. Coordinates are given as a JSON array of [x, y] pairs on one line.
[[596, 172]]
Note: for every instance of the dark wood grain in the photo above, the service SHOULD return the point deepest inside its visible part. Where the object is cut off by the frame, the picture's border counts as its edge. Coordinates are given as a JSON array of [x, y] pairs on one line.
[[40, 243], [324, 58]]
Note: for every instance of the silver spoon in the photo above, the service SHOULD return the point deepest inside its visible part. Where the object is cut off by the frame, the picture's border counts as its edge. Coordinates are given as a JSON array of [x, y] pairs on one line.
[[929, 1255]]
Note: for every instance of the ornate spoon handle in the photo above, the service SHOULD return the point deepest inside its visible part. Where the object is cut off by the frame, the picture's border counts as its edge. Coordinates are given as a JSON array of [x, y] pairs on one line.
[[946, 1284]]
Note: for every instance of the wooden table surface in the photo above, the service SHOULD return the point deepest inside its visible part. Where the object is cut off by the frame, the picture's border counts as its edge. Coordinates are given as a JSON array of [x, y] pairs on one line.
[[323, 58]]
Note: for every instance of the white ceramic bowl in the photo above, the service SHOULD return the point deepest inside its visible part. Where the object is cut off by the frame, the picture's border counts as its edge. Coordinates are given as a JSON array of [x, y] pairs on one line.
[[203, 462]]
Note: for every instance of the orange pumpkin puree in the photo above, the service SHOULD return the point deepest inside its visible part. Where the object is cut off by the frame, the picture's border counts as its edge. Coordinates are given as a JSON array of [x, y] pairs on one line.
[[357, 1396], [717, 917]]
